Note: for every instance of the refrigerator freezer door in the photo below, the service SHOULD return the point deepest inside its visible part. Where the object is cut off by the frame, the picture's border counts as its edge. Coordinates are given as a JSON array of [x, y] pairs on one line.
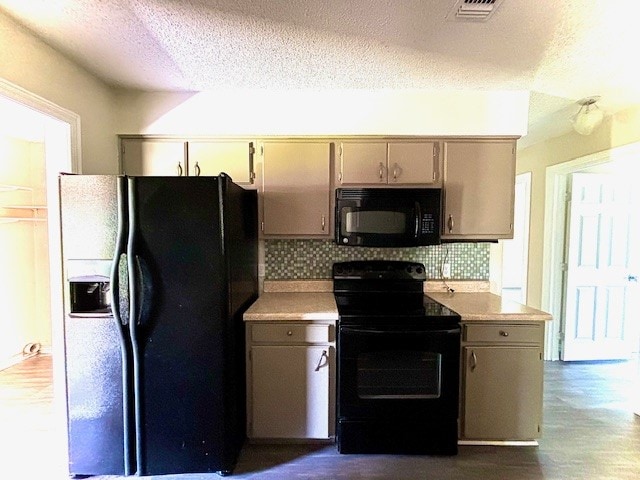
[[96, 352], [89, 216], [94, 396]]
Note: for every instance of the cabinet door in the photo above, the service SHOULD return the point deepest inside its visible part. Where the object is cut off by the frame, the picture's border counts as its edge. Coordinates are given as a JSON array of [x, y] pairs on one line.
[[296, 195], [502, 393], [479, 184], [144, 156], [412, 162], [363, 163], [235, 158], [290, 391]]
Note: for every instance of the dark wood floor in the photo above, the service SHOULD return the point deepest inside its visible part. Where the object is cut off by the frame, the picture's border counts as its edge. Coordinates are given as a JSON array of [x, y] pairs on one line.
[[590, 433]]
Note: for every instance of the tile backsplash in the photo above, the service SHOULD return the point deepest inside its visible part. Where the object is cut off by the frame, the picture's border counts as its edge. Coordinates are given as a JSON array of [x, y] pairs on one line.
[[313, 259]]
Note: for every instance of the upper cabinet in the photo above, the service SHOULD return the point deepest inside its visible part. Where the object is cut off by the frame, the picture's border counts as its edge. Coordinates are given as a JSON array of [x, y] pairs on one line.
[[162, 157], [389, 163], [296, 194], [143, 156], [235, 158], [479, 183]]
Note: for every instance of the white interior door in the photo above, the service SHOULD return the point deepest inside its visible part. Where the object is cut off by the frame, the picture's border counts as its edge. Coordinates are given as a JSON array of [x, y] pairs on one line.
[[596, 320], [515, 252]]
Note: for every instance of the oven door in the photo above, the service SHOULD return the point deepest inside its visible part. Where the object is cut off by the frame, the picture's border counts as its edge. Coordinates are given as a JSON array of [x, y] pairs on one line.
[[395, 372]]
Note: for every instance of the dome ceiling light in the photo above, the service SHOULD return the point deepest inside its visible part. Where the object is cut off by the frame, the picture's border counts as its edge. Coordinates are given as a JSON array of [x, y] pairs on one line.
[[588, 117]]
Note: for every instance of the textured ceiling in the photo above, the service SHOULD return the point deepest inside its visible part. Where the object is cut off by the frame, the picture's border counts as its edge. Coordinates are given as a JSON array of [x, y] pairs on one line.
[[561, 51]]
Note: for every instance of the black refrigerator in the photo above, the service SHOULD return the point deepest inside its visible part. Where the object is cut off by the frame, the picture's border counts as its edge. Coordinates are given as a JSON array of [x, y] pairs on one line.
[[158, 272]]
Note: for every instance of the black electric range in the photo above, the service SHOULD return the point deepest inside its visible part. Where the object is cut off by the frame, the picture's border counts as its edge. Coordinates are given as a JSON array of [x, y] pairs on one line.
[[398, 361]]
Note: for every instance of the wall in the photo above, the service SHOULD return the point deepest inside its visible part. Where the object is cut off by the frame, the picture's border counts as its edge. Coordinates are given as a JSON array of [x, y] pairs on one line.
[[31, 64], [320, 112], [619, 129], [313, 259]]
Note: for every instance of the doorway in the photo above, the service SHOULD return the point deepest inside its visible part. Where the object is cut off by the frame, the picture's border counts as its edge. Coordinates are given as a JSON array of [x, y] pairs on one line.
[[515, 252], [60, 144], [560, 267]]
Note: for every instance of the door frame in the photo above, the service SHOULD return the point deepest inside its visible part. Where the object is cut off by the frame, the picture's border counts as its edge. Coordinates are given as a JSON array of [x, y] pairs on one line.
[[555, 215], [62, 153]]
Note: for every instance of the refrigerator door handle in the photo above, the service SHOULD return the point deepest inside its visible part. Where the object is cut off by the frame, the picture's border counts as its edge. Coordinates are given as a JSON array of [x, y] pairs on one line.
[[144, 290], [122, 320], [121, 246]]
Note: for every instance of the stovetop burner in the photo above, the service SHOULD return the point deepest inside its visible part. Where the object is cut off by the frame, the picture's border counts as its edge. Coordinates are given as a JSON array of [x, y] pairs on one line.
[[386, 291]]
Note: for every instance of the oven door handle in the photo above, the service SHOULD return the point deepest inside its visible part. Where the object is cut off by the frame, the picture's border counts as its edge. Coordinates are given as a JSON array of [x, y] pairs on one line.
[[363, 331]]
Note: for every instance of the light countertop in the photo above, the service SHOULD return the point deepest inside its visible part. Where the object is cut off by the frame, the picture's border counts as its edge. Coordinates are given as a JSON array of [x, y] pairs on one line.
[[293, 306], [487, 306]]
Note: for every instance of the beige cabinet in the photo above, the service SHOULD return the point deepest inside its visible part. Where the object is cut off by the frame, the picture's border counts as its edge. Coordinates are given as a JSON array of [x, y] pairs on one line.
[[170, 157], [210, 158], [143, 156], [389, 163], [290, 381], [502, 378], [296, 193], [479, 185]]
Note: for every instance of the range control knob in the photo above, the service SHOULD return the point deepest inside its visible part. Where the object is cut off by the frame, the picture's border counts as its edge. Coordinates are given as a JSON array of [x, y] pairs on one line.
[[419, 270]]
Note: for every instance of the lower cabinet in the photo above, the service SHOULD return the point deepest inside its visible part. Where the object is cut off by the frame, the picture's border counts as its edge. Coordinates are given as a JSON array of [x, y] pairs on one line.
[[290, 381], [502, 382]]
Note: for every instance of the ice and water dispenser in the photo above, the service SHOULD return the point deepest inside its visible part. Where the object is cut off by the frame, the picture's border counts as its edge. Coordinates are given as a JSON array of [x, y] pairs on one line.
[[89, 287]]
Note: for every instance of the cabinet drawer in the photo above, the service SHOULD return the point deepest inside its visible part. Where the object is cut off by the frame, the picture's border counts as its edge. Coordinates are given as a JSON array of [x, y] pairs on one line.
[[288, 333], [503, 333]]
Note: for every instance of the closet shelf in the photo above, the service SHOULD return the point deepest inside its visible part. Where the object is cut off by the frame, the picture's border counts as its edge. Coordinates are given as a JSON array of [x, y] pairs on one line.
[[23, 216], [5, 187], [4, 220], [24, 207]]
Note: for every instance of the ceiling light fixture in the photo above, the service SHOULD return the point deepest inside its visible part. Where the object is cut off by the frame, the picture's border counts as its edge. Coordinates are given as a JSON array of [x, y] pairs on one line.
[[588, 117]]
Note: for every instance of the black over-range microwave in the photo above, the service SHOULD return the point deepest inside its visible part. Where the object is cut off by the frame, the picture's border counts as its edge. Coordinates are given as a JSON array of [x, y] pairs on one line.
[[388, 217]]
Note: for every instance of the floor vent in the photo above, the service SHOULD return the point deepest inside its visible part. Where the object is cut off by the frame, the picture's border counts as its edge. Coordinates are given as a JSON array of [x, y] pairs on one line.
[[473, 10]]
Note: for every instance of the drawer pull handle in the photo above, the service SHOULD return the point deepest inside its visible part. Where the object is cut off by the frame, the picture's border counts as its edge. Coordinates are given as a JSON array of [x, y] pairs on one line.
[[289, 333], [503, 333], [324, 356]]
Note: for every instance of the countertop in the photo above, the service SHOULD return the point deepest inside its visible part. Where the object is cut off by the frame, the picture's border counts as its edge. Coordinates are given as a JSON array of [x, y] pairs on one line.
[[488, 306], [293, 306], [306, 306]]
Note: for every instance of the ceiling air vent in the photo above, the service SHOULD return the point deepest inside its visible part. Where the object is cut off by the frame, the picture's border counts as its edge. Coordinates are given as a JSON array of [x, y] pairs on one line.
[[473, 10]]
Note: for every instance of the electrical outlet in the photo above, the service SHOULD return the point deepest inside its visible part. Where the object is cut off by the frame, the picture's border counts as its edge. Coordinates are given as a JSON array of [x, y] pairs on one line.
[[446, 270]]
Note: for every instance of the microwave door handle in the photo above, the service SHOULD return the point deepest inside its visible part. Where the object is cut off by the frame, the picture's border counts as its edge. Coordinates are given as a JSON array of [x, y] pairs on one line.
[[418, 217]]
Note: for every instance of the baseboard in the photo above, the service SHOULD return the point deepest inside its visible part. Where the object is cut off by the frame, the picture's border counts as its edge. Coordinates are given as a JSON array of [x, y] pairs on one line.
[[501, 443], [19, 357]]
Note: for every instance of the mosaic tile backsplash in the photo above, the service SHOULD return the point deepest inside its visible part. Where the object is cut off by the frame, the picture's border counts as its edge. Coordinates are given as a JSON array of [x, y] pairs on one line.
[[313, 259]]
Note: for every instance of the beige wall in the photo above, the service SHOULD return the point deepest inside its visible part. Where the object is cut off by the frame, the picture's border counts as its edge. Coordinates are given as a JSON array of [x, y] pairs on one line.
[[323, 112], [29, 63], [619, 129]]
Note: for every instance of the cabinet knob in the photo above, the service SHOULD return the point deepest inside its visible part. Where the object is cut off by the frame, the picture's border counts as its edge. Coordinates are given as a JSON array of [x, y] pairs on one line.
[[289, 333], [179, 169], [197, 169], [503, 333]]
